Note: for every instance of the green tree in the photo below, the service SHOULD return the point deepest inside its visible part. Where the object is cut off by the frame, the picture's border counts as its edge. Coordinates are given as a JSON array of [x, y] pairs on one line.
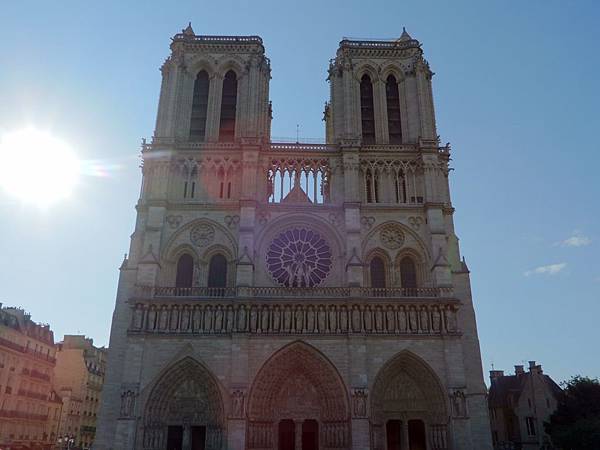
[[575, 425]]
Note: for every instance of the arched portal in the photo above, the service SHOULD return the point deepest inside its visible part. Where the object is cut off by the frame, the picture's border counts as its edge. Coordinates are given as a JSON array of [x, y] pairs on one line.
[[184, 410], [298, 385], [408, 407]]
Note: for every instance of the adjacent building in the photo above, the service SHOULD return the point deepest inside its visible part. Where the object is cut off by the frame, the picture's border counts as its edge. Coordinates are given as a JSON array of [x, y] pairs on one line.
[[79, 376], [29, 408], [285, 295], [519, 405]]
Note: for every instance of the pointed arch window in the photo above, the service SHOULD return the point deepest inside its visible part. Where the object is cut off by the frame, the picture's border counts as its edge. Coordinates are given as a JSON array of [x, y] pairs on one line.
[[393, 110], [199, 107], [377, 270], [185, 271], [367, 113], [217, 274], [408, 273], [228, 107]]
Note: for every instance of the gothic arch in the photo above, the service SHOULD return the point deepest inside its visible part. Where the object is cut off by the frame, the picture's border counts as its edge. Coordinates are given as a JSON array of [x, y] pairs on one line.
[[233, 63], [420, 266], [185, 395], [392, 68], [417, 241], [298, 382], [366, 68], [406, 388], [179, 237], [380, 253], [205, 260], [202, 63]]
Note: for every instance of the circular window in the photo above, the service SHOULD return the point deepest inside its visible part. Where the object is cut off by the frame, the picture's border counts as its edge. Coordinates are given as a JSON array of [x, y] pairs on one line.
[[299, 257]]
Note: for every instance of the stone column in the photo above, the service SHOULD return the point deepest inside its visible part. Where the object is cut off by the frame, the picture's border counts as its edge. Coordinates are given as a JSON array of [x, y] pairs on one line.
[[298, 434], [213, 113]]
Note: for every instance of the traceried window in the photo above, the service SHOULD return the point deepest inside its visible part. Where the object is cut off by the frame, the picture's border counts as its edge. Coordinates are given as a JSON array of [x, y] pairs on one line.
[[228, 107], [377, 271], [217, 271], [393, 110], [185, 271], [199, 107], [367, 113], [371, 186], [299, 257], [408, 273]]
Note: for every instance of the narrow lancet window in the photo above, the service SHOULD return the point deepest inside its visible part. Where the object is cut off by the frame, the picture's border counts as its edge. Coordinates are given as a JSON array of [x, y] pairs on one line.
[[185, 271], [199, 107], [367, 113], [408, 273], [228, 107], [217, 274], [393, 110], [377, 269]]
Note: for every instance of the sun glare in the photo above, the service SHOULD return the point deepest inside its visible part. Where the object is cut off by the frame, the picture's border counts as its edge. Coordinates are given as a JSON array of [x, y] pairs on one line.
[[36, 167]]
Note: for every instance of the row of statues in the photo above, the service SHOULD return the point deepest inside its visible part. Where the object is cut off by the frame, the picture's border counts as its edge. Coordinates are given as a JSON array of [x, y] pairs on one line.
[[289, 318]]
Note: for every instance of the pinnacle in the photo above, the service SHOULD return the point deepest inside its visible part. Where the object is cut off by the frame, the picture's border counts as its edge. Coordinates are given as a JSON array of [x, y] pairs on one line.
[[189, 31], [405, 36]]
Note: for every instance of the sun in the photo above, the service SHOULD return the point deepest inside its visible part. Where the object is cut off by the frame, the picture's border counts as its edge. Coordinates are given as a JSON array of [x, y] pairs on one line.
[[36, 167]]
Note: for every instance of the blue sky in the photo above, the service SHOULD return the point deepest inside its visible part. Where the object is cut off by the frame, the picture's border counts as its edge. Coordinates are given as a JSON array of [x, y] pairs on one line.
[[516, 94]]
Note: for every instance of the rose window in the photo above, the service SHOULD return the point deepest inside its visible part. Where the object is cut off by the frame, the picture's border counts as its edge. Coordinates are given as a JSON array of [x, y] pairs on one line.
[[299, 257]]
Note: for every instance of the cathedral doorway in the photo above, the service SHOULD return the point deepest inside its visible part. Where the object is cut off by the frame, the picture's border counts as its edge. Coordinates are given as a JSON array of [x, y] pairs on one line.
[[408, 407], [287, 435], [183, 411], [298, 402], [406, 436]]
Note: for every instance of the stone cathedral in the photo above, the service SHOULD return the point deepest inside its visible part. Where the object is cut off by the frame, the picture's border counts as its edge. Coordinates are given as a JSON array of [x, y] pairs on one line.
[[294, 296]]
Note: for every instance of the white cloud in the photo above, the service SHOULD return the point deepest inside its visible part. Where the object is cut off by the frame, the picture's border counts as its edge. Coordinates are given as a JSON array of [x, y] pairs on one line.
[[577, 239], [550, 269]]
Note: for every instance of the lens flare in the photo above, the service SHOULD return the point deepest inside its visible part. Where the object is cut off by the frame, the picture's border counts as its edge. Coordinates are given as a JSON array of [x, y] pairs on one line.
[[36, 167]]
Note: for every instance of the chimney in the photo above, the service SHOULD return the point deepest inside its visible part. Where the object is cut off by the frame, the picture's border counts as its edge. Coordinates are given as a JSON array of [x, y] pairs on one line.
[[533, 368], [495, 374], [519, 370]]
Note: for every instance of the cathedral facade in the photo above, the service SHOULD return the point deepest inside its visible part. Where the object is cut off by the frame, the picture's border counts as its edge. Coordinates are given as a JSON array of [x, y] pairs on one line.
[[287, 296]]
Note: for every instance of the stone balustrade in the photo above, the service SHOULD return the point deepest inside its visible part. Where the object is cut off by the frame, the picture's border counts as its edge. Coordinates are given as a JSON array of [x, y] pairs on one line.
[[166, 292], [279, 316]]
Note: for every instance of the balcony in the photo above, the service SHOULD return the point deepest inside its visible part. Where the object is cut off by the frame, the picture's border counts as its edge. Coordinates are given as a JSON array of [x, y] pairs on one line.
[[270, 292], [30, 394], [284, 311], [9, 414]]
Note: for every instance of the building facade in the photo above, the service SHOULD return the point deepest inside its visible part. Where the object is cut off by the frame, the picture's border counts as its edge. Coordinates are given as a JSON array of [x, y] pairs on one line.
[[288, 295], [519, 405], [29, 407], [79, 377]]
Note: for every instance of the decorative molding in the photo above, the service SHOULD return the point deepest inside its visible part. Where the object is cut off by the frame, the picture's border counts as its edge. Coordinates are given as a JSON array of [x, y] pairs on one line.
[[391, 236], [174, 221], [367, 222], [202, 234], [231, 221]]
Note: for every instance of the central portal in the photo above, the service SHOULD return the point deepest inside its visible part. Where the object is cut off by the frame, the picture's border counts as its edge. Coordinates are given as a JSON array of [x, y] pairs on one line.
[[298, 435], [298, 402]]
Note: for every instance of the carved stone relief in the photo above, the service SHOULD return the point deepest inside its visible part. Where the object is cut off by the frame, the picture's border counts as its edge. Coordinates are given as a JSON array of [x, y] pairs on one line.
[[202, 234], [391, 236]]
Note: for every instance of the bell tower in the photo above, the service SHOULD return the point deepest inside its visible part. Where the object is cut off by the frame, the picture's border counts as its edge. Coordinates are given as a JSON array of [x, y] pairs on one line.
[[214, 89]]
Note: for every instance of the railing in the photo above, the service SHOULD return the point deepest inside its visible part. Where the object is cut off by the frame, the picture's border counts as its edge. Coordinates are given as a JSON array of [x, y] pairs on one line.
[[30, 394], [301, 146], [379, 43], [22, 415], [225, 39], [324, 317], [20, 348], [293, 292]]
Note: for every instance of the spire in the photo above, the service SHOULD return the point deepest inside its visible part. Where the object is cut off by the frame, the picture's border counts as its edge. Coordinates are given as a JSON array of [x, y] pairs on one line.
[[189, 31], [405, 36]]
